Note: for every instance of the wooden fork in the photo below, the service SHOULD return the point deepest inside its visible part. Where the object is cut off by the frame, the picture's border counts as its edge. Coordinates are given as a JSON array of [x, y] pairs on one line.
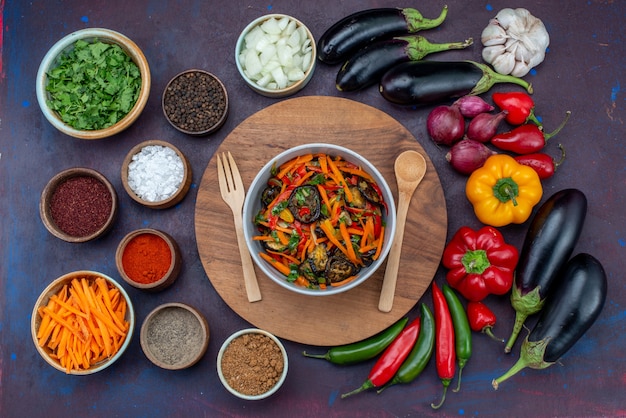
[[233, 193]]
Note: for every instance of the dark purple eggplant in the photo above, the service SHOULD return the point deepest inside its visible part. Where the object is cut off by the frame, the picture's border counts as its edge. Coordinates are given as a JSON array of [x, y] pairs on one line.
[[361, 28], [430, 82], [572, 307], [550, 240], [368, 64]]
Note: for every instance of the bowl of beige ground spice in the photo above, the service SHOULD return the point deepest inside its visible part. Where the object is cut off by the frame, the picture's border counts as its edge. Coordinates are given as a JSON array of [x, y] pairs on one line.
[[174, 336], [252, 364]]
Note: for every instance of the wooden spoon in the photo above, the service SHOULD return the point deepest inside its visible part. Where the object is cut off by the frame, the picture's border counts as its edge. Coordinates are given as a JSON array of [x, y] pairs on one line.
[[410, 167]]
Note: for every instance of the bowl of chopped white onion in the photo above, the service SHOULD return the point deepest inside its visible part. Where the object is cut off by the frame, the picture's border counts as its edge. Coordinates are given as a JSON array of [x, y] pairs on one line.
[[275, 55]]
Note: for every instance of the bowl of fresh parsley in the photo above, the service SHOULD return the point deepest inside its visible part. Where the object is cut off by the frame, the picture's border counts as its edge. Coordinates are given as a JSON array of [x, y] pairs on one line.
[[93, 83]]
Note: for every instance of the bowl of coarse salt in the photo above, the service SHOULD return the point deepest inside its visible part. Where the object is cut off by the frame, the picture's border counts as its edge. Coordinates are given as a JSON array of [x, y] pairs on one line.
[[156, 174], [275, 55]]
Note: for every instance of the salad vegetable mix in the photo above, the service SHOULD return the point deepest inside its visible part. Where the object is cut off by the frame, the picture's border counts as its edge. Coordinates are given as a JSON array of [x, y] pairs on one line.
[[321, 220]]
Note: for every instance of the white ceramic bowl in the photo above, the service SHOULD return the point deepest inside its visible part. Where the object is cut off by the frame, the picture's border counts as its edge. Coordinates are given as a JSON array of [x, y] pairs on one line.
[[270, 92], [223, 379], [51, 59], [252, 205], [52, 289]]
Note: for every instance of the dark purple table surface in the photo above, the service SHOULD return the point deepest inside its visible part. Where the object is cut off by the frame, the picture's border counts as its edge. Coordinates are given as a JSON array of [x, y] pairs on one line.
[[583, 72]]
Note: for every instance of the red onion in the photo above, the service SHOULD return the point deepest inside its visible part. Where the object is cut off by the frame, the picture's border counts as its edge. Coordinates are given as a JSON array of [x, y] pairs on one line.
[[468, 155], [472, 106], [484, 126], [445, 124]]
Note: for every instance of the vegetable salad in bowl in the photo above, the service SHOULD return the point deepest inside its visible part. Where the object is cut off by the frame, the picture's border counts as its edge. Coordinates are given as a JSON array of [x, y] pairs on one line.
[[321, 219]]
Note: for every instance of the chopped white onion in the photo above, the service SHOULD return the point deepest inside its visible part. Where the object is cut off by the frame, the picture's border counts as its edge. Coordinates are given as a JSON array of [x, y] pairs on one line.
[[276, 53]]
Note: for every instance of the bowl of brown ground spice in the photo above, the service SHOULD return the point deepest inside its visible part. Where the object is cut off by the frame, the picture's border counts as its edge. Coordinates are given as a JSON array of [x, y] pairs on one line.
[[78, 205], [174, 336], [252, 364], [195, 102]]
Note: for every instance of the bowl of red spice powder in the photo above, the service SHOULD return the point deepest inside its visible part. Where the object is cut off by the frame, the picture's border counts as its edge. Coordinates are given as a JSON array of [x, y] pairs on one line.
[[148, 259], [78, 205], [252, 364]]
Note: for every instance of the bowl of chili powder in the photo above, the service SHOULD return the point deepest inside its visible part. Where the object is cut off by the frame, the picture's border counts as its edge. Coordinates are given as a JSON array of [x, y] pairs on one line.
[[78, 205], [148, 259]]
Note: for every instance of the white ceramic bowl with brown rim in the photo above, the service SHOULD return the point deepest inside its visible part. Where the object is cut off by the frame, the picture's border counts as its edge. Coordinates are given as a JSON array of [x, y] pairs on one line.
[[165, 200], [90, 35], [265, 81], [53, 289], [252, 364], [139, 260], [174, 336], [91, 212], [195, 102]]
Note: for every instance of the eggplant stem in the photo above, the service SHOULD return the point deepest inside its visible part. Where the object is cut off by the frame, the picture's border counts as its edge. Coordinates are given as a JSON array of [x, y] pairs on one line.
[[490, 77], [416, 22], [418, 46]]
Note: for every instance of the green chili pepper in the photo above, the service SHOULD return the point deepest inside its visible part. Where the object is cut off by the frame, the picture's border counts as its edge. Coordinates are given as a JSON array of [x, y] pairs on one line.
[[420, 355], [462, 331], [362, 350]]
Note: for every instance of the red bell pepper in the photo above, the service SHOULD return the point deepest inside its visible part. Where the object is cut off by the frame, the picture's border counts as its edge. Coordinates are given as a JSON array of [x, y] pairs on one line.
[[525, 139], [479, 263], [482, 319], [519, 105], [391, 359], [543, 164]]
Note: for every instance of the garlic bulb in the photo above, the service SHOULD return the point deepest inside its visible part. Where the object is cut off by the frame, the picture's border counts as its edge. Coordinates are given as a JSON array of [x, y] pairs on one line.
[[514, 42]]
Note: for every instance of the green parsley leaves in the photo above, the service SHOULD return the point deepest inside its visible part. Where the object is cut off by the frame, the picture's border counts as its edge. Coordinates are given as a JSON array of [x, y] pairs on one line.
[[94, 86]]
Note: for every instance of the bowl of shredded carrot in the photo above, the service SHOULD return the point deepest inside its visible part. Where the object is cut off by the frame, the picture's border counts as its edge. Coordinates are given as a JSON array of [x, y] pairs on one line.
[[82, 322], [319, 219]]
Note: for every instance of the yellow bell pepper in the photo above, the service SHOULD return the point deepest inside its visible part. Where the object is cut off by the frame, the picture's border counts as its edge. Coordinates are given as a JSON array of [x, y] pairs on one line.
[[503, 191]]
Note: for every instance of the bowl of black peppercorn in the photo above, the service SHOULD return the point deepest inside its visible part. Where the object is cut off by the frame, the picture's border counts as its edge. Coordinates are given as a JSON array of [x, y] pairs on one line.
[[195, 102]]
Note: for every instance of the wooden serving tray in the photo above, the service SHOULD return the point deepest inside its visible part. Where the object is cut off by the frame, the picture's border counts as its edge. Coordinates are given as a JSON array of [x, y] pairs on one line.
[[326, 320]]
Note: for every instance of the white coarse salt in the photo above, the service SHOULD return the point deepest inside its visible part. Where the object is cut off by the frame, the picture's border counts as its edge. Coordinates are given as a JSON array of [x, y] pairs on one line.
[[155, 173]]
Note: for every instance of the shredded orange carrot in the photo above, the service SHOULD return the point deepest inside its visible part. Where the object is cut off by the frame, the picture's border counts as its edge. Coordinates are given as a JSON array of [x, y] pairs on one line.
[[340, 180], [330, 233], [301, 281], [344, 281], [83, 323], [277, 264], [346, 239], [380, 243]]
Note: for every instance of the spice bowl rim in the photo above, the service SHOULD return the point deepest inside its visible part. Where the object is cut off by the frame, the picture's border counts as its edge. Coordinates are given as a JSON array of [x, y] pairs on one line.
[[49, 189], [252, 205], [238, 334], [215, 126], [175, 262], [51, 289], [289, 90], [145, 345], [177, 196], [64, 44]]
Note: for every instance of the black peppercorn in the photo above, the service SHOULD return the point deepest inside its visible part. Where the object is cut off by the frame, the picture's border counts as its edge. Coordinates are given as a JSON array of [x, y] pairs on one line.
[[195, 102]]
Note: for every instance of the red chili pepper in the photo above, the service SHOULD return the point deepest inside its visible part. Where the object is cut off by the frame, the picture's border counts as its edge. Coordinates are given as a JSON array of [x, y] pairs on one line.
[[520, 106], [445, 354], [391, 359], [543, 164], [479, 262], [526, 139], [482, 319]]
